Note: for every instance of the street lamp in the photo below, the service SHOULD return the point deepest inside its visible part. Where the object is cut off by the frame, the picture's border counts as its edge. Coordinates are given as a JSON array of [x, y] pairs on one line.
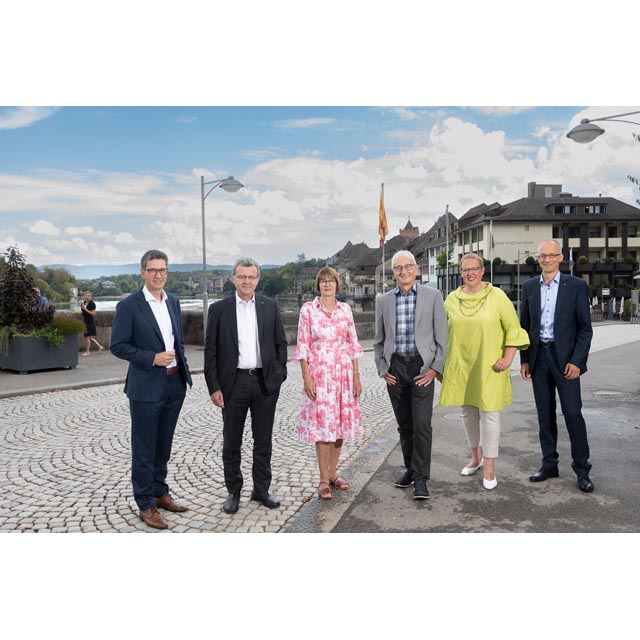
[[231, 185], [588, 132]]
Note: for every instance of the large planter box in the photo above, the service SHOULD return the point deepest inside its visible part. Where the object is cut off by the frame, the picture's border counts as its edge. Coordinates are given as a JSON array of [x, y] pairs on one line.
[[28, 353]]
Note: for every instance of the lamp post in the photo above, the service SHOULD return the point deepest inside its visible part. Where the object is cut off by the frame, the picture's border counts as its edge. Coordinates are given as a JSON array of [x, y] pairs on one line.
[[231, 185], [587, 132]]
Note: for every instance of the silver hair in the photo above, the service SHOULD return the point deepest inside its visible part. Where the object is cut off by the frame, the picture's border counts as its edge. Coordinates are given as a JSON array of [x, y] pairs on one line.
[[472, 256], [245, 262], [550, 240], [402, 254]]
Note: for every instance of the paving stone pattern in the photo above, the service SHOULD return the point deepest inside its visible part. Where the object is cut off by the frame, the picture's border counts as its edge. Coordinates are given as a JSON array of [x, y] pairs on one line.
[[65, 461]]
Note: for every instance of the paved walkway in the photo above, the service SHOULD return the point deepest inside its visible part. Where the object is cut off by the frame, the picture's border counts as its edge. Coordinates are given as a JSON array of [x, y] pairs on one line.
[[65, 454]]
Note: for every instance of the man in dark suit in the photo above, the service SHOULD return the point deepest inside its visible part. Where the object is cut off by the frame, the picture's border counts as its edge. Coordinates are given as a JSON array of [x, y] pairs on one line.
[[555, 313], [147, 332], [245, 362]]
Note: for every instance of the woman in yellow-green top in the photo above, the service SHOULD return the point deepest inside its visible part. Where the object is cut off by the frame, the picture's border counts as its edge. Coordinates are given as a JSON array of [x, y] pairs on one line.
[[484, 335]]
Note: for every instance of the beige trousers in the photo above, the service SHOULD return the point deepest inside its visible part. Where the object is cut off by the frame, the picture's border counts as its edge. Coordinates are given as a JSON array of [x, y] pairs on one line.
[[483, 429]]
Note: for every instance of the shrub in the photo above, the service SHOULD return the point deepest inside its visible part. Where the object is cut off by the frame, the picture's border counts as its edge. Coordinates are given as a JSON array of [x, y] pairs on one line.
[[582, 259], [530, 260], [20, 311]]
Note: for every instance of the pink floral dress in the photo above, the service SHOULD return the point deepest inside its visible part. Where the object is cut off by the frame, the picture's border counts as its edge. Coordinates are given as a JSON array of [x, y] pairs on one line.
[[328, 342]]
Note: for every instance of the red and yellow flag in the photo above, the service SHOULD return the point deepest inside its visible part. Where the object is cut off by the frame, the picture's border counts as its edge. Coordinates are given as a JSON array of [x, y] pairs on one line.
[[382, 218]]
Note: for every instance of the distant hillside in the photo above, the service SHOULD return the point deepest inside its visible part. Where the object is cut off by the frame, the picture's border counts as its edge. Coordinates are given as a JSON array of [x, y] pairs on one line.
[[94, 271]]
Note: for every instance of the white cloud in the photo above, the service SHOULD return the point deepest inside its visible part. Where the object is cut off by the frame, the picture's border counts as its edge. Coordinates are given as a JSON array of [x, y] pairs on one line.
[[500, 111], [18, 117], [302, 123], [44, 228], [186, 119], [305, 203]]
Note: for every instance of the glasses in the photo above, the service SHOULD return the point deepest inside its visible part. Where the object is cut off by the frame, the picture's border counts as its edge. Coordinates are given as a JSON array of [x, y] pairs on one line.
[[156, 272], [247, 278], [327, 281], [470, 270], [544, 256], [404, 267]]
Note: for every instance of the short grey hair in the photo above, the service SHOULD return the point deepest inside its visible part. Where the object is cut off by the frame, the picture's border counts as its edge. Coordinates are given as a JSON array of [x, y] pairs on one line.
[[245, 262], [153, 254], [551, 240], [402, 254], [472, 256]]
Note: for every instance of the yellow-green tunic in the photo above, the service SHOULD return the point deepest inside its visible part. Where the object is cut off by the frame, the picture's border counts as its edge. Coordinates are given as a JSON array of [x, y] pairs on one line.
[[480, 326]]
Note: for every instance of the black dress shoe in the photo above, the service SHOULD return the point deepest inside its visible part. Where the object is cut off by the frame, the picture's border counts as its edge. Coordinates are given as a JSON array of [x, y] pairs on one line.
[[232, 503], [584, 484], [268, 501], [544, 474]]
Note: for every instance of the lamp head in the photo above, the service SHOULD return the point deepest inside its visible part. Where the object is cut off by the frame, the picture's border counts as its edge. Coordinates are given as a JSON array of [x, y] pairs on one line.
[[585, 132], [231, 185]]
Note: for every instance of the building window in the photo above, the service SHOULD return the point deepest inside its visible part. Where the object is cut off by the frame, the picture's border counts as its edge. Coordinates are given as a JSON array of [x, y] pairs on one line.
[[564, 209], [612, 232], [595, 208], [574, 232], [547, 192], [526, 227], [480, 234], [595, 232], [632, 232], [474, 235], [555, 232]]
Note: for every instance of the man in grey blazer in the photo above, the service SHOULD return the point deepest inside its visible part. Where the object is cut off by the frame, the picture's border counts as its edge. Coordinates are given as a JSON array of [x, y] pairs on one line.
[[409, 349]]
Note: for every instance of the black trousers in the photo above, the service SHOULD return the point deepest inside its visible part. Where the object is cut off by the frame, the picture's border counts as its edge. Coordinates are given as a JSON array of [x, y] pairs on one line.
[[412, 406], [248, 394], [546, 377], [152, 428]]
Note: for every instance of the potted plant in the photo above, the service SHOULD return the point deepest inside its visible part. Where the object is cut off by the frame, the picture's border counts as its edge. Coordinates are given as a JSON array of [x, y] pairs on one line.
[[32, 337]]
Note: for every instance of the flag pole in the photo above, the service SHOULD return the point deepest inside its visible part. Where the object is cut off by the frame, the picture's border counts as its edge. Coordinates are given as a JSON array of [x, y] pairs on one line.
[[382, 231]]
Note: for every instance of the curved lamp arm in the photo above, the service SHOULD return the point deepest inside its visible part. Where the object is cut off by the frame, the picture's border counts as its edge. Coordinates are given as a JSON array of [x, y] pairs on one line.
[[587, 132]]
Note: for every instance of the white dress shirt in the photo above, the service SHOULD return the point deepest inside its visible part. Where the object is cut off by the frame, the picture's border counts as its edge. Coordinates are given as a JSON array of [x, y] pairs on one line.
[[161, 313], [248, 344]]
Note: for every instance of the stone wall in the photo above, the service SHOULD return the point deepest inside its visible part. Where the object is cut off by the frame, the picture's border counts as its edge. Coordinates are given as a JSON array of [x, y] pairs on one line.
[[194, 334]]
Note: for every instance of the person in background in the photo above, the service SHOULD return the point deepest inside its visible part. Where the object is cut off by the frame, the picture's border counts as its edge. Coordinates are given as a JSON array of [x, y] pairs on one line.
[[484, 335], [42, 299], [88, 308], [328, 351]]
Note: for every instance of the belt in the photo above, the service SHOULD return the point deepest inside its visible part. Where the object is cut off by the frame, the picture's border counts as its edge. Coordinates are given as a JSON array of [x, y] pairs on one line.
[[406, 358], [171, 370], [251, 372], [546, 345]]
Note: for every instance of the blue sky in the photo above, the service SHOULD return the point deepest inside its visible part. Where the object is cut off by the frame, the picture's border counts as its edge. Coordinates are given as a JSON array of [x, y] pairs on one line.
[[92, 185]]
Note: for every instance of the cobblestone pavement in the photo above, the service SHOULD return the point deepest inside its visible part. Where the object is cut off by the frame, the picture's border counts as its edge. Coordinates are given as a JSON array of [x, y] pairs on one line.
[[65, 458], [65, 461]]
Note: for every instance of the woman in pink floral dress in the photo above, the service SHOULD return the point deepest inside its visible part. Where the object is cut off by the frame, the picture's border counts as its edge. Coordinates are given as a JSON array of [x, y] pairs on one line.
[[328, 351]]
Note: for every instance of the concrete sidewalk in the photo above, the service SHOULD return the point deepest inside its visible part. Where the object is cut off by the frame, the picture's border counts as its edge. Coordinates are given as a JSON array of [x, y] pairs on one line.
[[611, 398]]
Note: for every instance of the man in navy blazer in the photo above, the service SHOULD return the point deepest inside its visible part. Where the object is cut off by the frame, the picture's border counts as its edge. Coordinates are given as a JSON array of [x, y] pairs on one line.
[[555, 313], [147, 332], [245, 362]]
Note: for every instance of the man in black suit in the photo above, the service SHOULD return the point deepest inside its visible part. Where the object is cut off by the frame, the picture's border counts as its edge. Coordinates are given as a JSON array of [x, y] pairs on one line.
[[147, 332], [245, 362], [555, 313]]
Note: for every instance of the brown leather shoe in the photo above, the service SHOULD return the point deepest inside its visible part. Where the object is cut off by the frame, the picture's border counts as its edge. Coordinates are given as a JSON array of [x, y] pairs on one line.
[[166, 502], [153, 519]]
